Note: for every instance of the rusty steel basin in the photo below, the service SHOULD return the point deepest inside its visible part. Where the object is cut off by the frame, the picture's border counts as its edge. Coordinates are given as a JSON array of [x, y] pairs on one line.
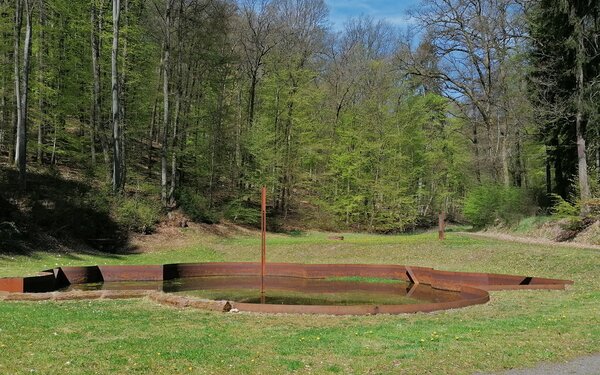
[[466, 288]]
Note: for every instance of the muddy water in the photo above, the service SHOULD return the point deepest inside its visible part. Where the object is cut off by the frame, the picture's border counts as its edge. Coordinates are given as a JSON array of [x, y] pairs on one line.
[[289, 290]]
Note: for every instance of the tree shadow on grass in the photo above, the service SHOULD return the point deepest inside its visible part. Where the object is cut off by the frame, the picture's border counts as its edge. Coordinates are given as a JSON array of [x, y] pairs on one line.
[[57, 215]]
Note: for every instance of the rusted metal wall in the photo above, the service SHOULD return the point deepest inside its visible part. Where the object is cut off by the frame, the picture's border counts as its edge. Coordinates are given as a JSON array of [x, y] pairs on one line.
[[473, 287]]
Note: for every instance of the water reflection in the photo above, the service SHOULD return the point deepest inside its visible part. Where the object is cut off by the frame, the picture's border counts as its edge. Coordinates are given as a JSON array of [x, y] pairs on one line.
[[288, 290]]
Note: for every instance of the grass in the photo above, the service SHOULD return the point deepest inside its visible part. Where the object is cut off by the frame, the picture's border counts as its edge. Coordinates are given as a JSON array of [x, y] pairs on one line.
[[531, 223], [515, 329]]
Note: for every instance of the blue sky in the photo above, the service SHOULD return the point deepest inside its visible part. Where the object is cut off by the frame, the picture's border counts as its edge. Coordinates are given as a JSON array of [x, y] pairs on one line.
[[394, 11]]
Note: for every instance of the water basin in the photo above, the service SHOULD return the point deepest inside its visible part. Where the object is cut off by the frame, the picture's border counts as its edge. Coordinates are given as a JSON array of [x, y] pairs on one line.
[[287, 290], [339, 289]]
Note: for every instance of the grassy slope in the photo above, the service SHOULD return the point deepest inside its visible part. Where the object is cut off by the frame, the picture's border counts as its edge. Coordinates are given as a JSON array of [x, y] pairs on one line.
[[516, 329]]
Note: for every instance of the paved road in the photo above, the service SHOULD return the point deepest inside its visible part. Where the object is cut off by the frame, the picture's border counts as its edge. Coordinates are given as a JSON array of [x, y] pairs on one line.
[[589, 365]]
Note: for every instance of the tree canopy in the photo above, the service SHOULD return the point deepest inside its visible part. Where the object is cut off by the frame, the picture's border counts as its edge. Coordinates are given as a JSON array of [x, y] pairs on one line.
[[197, 103]]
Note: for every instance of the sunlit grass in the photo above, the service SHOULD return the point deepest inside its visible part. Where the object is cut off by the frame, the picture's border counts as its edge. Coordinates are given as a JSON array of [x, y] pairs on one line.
[[515, 329]]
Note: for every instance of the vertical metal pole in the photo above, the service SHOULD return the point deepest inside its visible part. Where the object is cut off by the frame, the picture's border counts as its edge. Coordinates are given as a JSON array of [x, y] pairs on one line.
[[442, 226], [263, 243]]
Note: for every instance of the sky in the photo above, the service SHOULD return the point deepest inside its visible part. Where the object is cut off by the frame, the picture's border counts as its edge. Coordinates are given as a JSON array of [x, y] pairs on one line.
[[394, 11]]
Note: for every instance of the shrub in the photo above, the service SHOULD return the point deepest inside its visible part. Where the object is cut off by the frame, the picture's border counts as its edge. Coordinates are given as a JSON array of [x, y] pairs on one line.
[[490, 203], [241, 212], [137, 214], [564, 209], [196, 207], [296, 233]]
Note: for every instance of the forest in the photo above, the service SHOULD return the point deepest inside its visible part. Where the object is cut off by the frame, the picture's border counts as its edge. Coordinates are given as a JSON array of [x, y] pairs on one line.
[[486, 110]]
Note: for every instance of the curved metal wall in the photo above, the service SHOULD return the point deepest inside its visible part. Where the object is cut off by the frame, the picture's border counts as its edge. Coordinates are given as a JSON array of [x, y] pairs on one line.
[[473, 287]]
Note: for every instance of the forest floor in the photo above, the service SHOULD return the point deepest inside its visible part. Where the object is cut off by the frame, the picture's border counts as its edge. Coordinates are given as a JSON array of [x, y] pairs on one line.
[[516, 329]]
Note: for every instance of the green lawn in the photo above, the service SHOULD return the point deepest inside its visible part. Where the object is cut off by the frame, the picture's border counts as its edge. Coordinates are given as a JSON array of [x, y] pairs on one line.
[[515, 329]]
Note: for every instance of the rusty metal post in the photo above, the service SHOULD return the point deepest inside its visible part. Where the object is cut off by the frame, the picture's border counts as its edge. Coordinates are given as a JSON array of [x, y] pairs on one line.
[[263, 243], [442, 226]]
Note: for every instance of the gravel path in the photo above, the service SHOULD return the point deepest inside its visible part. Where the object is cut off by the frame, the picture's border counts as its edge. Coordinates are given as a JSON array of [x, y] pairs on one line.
[[529, 240], [589, 365]]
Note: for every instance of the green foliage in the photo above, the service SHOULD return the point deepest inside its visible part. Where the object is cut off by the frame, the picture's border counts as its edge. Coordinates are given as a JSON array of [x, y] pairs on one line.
[[137, 214], [296, 233], [378, 149], [564, 209], [487, 204], [564, 39], [240, 212], [196, 207]]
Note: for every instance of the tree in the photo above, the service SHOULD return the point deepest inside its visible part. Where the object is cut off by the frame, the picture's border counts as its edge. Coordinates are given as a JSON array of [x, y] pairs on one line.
[[303, 32], [472, 42], [166, 62], [583, 17], [22, 84], [118, 182], [565, 59], [96, 127]]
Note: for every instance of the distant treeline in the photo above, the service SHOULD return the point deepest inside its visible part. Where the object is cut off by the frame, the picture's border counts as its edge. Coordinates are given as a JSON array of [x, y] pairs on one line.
[[200, 102]]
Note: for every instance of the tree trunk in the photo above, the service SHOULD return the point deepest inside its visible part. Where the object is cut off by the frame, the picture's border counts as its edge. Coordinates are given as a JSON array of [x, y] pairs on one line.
[[177, 113], [21, 143], [117, 178], [153, 121], [98, 126], [287, 173], [179, 79], [3, 114], [164, 146], [476, 150], [252, 98], [548, 173], [237, 174], [504, 155], [520, 176], [584, 187], [17, 72], [560, 179], [123, 96], [42, 114]]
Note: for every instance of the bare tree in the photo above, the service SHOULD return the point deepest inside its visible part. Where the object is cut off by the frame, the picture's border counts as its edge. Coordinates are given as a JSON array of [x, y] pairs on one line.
[[257, 35], [362, 40], [472, 41], [257, 38]]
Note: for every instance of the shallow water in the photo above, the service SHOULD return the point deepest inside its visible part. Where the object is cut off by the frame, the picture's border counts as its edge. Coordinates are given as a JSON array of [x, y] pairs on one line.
[[288, 290]]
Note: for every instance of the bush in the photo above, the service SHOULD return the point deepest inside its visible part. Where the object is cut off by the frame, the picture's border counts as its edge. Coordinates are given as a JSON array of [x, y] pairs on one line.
[[196, 207], [241, 212], [564, 209], [296, 233], [488, 204], [136, 214]]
